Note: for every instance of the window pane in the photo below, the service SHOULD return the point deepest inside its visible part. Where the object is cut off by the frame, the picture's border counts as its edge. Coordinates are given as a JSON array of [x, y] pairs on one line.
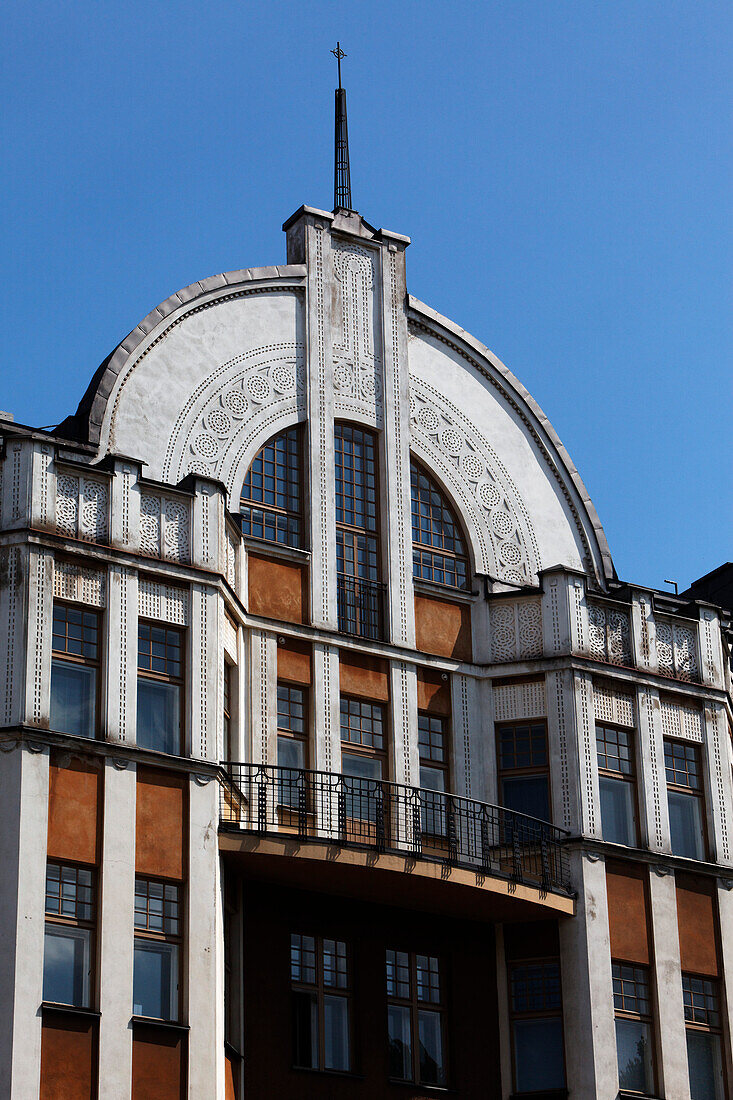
[[617, 811], [73, 698], [634, 1052], [336, 1032], [538, 1055], [400, 1048], [432, 1069], [305, 1030], [155, 980], [685, 825], [303, 959], [158, 716], [528, 794], [66, 962], [706, 1066], [398, 974]]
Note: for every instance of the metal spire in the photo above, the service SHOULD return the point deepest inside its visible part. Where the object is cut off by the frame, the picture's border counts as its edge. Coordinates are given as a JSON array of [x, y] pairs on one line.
[[342, 172]]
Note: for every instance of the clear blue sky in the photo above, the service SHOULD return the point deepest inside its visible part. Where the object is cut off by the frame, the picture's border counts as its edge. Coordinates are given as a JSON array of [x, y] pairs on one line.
[[562, 166]]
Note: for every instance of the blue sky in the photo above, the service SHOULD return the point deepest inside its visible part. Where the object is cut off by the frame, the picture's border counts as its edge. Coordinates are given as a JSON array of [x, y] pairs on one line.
[[563, 168]]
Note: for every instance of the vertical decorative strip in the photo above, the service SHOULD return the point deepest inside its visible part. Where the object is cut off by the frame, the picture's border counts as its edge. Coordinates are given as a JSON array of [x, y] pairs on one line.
[[124, 575], [38, 648], [328, 656], [719, 784], [45, 461], [322, 433], [588, 754], [555, 616], [466, 734], [399, 472], [12, 588], [204, 651], [15, 484], [648, 704], [562, 732], [263, 697]]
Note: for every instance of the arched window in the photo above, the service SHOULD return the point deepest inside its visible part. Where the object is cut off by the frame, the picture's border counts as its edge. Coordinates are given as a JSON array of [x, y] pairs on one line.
[[438, 550], [272, 494]]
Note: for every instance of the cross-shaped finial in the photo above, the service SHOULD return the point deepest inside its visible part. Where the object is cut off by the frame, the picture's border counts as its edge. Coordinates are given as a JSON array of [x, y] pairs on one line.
[[338, 53]]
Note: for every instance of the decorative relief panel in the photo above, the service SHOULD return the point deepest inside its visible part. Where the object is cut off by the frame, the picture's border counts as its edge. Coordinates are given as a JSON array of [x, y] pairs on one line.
[[681, 721], [165, 527], [357, 363], [79, 583], [505, 546], [516, 630], [677, 650], [513, 701], [612, 705], [609, 634], [82, 506], [161, 601], [230, 548]]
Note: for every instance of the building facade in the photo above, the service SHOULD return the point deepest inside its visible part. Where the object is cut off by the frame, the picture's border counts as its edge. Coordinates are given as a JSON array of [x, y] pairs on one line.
[[336, 761]]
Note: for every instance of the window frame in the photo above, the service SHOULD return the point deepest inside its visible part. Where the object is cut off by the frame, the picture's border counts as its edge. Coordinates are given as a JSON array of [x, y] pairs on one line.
[[86, 925], [647, 1018], [705, 1028], [415, 1006], [154, 676], [276, 510], [434, 804], [525, 771], [150, 935], [97, 663], [629, 778], [356, 748], [417, 469], [322, 991], [545, 1013], [697, 792]]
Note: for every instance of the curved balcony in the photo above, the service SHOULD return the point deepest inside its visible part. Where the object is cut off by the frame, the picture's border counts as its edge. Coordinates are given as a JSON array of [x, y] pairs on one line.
[[315, 815]]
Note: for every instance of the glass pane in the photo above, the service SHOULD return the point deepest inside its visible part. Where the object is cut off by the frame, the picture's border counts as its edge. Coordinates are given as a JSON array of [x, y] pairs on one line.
[[634, 1052], [400, 1046], [364, 793], [527, 795], [66, 962], [336, 1032], [617, 811], [158, 716], [155, 980], [538, 1055], [398, 974], [432, 1070], [361, 767], [73, 698], [305, 1030], [685, 825], [291, 780], [706, 1066]]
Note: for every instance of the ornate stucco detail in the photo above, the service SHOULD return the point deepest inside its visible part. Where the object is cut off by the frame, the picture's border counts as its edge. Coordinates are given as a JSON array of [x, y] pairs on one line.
[[357, 360], [516, 701], [677, 651], [236, 404], [165, 527], [611, 704], [82, 505], [609, 634], [504, 542], [682, 721], [83, 584], [516, 630]]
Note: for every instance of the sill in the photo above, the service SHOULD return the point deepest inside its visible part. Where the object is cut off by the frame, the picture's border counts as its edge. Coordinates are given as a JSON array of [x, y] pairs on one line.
[[276, 550], [624, 1095], [430, 1090], [541, 1094], [154, 1021], [347, 1073], [446, 592], [70, 1010]]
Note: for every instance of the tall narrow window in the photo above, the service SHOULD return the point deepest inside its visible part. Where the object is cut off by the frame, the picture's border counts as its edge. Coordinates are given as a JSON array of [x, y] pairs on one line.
[[227, 710], [685, 799], [157, 948], [617, 783], [75, 662], [67, 955], [159, 687], [363, 760], [292, 743], [704, 1044], [271, 505], [438, 550], [632, 1009], [415, 1018], [319, 975], [524, 776], [536, 1019], [360, 594], [432, 732]]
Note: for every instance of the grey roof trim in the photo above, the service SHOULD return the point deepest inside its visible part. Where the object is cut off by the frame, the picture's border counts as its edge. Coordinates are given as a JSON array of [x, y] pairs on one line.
[[517, 393]]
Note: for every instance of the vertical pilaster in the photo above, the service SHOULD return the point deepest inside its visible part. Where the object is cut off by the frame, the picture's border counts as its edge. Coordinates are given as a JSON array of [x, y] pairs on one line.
[[43, 488], [720, 800], [405, 749], [725, 916], [652, 781], [587, 760], [38, 648], [262, 668], [121, 662], [556, 629], [484, 778], [643, 633], [205, 715], [502, 999], [125, 510], [668, 983], [326, 704], [117, 927], [562, 735], [464, 708], [207, 527]]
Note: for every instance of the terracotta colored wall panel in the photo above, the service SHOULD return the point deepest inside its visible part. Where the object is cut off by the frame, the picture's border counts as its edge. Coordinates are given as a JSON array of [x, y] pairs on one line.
[[277, 590], [74, 804], [158, 1064], [696, 918], [68, 1057], [443, 628], [294, 662], [627, 912], [365, 676], [160, 823], [231, 1078], [433, 692]]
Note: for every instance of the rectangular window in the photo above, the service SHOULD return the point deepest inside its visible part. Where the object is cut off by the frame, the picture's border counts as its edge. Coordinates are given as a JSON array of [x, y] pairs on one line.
[[159, 687], [701, 998], [75, 661], [157, 949], [292, 743], [685, 799], [617, 784], [524, 777], [320, 982], [67, 958], [634, 1043], [415, 1018], [227, 710], [363, 758], [432, 732], [360, 593], [536, 1024]]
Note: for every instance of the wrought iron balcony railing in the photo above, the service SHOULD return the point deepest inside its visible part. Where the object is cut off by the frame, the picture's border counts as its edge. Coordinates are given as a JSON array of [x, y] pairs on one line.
[[391, 817], [360, 607]]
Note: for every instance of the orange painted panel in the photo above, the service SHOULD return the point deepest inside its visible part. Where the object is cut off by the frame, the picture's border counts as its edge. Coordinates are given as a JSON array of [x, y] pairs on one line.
[[443, 628], [698, 926], [74, 806], [158, 1064], [277, 590], [433, 692], [231, 1078], [68, 1057], [294, 662], [628, 922], [161, 823], [367, 677]]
